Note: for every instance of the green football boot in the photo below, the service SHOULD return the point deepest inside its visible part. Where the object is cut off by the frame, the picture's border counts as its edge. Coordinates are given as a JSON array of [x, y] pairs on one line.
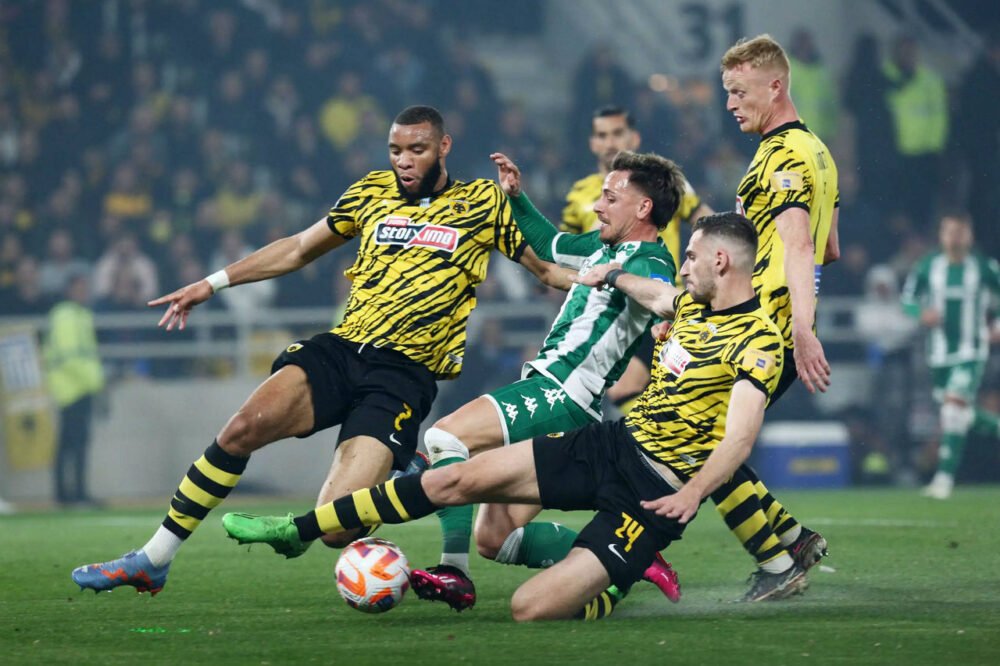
[[278, 532]]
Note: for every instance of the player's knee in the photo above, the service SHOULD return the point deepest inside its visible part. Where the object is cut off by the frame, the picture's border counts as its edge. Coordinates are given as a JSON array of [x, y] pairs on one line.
[[238, 437], [956, 417], [489, 540], [527, 606]]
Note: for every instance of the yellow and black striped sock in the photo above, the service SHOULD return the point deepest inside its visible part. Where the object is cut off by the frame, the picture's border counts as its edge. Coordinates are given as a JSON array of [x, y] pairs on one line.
[[739, 505], [396, 501], [208, 481], [782, 523], [602, 605]]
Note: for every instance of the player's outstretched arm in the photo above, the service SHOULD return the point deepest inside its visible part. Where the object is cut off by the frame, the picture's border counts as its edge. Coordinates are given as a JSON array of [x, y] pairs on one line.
[[810, 360], [278, 258], [547, 272], [746, 413], [655, 295]]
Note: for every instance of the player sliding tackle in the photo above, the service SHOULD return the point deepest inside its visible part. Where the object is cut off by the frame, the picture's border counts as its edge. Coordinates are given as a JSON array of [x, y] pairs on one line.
[[645, 475]]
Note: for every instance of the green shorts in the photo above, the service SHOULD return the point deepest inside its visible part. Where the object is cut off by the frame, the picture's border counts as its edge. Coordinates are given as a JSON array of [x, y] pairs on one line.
[[536, 406], [961, 380]]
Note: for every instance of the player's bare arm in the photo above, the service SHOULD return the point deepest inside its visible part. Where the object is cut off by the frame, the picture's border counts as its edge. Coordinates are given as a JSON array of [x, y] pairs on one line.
[[793, 228], [832, 252], [655, 295], [508, 175], [547, 273], [278, 258], [746, 413]]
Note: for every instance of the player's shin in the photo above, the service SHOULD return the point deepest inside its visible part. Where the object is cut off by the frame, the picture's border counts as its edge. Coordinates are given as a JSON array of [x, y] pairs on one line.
[[396, 501], [445, 449], [208, 481]]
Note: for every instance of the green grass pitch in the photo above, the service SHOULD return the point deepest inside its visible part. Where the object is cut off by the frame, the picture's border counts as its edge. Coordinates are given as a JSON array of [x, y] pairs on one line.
[[914, 581]]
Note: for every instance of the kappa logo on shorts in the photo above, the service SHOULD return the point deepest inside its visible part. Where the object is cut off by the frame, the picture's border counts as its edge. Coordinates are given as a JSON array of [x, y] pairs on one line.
[[511, 411], [400, 230], [294, 347], [552, 396], [531, 405]]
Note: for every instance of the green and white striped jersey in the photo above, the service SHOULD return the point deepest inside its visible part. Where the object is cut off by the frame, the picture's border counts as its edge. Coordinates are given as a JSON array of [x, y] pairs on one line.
[[961, 292], [597, 331]]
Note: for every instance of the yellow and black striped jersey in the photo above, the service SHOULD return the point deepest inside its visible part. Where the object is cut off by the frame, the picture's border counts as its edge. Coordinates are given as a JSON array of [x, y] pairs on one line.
[[414, 279], [792, 168], [681, 416], [578, 215]]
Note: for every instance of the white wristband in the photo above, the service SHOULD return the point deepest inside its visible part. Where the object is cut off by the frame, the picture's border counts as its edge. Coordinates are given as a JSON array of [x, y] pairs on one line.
[[219, 280]]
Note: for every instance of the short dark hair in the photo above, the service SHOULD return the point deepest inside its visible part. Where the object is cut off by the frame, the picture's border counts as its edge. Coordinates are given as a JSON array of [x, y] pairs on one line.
[[731, 226], [958, 214], [414, 115], [610, 110], [656, 177]]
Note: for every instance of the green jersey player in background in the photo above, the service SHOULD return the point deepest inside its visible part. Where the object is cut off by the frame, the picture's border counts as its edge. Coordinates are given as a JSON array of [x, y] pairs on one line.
[[949, 291]]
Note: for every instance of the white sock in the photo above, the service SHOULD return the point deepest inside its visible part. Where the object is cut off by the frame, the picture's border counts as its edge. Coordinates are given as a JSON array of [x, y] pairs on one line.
[[162, 548], [789, 537], [457, 560], [781, 563]]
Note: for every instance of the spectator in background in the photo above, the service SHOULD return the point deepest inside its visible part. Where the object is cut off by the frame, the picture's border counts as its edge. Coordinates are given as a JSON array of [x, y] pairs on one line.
[[977, 138], [75, 376], [341, 115], [127, 199], [236, 203], [125, 274], [815, 91], [866, 93], [60, 265], [887, 333], [918, 101], [25, 297], [599, 80], [250, 298]]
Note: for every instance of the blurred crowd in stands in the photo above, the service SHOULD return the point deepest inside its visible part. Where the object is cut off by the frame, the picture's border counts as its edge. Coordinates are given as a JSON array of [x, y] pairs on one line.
[[147, 144]]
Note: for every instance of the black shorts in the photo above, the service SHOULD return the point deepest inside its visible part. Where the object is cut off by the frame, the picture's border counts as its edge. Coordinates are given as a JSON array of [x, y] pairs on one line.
[[367, 390], [600, 467]]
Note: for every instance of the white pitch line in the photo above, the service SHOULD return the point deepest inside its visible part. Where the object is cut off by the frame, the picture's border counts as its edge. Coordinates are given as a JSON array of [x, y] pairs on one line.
[[879, 522]]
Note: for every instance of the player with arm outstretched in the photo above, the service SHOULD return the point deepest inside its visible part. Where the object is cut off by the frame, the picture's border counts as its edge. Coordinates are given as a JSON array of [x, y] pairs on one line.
[[645, 475], [425, 241]]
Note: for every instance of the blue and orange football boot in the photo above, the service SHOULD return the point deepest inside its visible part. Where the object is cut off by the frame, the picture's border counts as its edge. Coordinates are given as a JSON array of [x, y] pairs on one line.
[[132, 568]]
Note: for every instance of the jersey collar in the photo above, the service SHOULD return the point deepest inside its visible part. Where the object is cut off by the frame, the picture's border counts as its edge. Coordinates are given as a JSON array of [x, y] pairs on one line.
[[795, 124], [739, 308]]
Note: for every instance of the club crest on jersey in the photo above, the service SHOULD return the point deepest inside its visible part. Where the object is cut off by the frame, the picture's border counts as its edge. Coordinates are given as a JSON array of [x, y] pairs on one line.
[[674, 357], [400, 230]]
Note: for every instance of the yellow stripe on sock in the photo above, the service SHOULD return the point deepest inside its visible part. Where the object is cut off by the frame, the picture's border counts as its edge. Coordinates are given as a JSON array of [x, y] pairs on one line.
[[187, 522], [364, 504], [735, 498], [197, 495], [591, 612], [390, 490], [328, 520], [750, 526], [216, 474]]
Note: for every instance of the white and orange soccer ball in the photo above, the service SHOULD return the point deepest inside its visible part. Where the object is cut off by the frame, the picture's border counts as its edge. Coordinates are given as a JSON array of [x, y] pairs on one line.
[[372, 575]]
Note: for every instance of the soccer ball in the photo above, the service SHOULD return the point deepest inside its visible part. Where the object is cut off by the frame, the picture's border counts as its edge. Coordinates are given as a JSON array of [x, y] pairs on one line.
[[372, 575]]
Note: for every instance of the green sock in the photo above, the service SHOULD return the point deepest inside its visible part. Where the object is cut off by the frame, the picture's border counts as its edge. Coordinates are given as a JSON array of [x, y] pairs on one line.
[[950, 453], [456, 528], [537, 545], [986, 423]]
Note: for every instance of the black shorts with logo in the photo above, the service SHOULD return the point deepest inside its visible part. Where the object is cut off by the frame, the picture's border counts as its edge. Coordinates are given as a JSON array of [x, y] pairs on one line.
[[600, 467], [367, 390]]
